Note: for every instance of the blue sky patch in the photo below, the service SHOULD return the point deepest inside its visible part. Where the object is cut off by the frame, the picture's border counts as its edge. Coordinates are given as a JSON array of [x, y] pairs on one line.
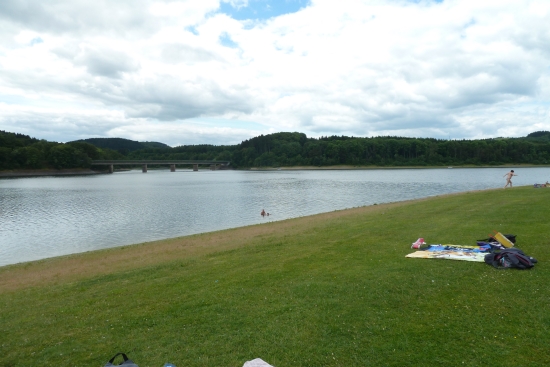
[[192, 29], [36, 41], [225, 40], [262, 9]]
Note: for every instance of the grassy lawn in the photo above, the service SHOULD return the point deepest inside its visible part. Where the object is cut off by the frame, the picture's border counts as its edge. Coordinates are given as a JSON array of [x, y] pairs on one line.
[[328, 290]]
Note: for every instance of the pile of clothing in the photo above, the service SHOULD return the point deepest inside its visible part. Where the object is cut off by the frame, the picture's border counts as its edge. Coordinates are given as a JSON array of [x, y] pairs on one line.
[[498, 250]]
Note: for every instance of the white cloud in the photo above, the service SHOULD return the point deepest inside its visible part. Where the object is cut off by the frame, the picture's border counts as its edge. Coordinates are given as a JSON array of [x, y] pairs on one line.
[[459, 69], [182, 133]]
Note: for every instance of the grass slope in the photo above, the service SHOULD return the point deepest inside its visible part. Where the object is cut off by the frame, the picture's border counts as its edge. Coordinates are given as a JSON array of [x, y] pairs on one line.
[[327, 290]]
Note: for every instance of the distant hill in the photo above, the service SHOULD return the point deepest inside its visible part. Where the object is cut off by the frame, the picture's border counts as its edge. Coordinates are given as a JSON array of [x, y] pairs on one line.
[[543, 135], [15, 140], [154, 144], [19, 151], [123, 146]]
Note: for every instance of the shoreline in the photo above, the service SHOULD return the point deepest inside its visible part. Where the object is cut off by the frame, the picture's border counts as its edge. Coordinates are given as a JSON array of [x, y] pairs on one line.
[[48, 172], [86, 171], [107, 260], [75, 266], [348, 167]]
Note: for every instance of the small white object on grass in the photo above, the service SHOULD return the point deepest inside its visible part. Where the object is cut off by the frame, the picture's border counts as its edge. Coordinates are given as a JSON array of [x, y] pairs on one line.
[[258, 362]]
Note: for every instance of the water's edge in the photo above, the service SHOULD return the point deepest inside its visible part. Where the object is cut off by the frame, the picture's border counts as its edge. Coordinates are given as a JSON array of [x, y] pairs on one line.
[[47, 172]]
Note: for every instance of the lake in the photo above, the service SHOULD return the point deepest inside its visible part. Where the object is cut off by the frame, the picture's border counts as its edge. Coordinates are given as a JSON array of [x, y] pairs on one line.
[[43, 217]]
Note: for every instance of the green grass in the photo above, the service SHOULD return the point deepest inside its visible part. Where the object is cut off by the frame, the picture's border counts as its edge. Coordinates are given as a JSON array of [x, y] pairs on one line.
[[340, 292]]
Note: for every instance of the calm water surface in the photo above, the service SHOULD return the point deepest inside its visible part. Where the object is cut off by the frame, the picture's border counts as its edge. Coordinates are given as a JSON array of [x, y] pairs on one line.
[[51, 216]]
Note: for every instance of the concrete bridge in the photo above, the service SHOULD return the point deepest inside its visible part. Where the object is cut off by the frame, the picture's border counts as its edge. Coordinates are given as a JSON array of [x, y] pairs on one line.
[[143, 163]]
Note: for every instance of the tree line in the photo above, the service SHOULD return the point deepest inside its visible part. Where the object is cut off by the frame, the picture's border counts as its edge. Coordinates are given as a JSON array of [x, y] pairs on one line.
[[296, 149], [19, 151]]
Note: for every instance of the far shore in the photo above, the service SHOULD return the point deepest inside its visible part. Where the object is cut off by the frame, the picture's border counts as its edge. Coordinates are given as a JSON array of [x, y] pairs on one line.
[[350, 167], [86, 171], [48, 172]]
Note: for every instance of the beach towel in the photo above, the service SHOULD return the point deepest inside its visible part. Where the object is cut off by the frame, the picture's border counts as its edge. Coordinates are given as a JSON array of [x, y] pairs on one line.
[[452, 252]]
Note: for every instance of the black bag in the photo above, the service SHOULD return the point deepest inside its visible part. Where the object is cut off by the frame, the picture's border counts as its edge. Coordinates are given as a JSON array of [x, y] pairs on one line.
[[510, 258], [126, 363]]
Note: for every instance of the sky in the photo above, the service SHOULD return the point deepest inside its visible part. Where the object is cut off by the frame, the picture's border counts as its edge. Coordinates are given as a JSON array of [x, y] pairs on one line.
[[223, 71]]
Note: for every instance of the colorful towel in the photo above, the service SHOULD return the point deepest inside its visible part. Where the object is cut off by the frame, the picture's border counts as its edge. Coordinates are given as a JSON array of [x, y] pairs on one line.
[[452, 252]]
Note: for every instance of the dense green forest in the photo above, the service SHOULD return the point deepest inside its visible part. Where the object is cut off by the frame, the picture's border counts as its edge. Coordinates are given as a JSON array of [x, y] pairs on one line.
[[19, 151], [123, 146]]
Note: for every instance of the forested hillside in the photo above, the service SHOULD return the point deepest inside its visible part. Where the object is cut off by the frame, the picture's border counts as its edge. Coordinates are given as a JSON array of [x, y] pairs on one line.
[[296, 149], [19, 151], [123, 146]]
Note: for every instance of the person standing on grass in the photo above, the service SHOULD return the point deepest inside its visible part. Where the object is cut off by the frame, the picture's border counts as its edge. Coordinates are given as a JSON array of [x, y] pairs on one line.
[[509, 178]]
